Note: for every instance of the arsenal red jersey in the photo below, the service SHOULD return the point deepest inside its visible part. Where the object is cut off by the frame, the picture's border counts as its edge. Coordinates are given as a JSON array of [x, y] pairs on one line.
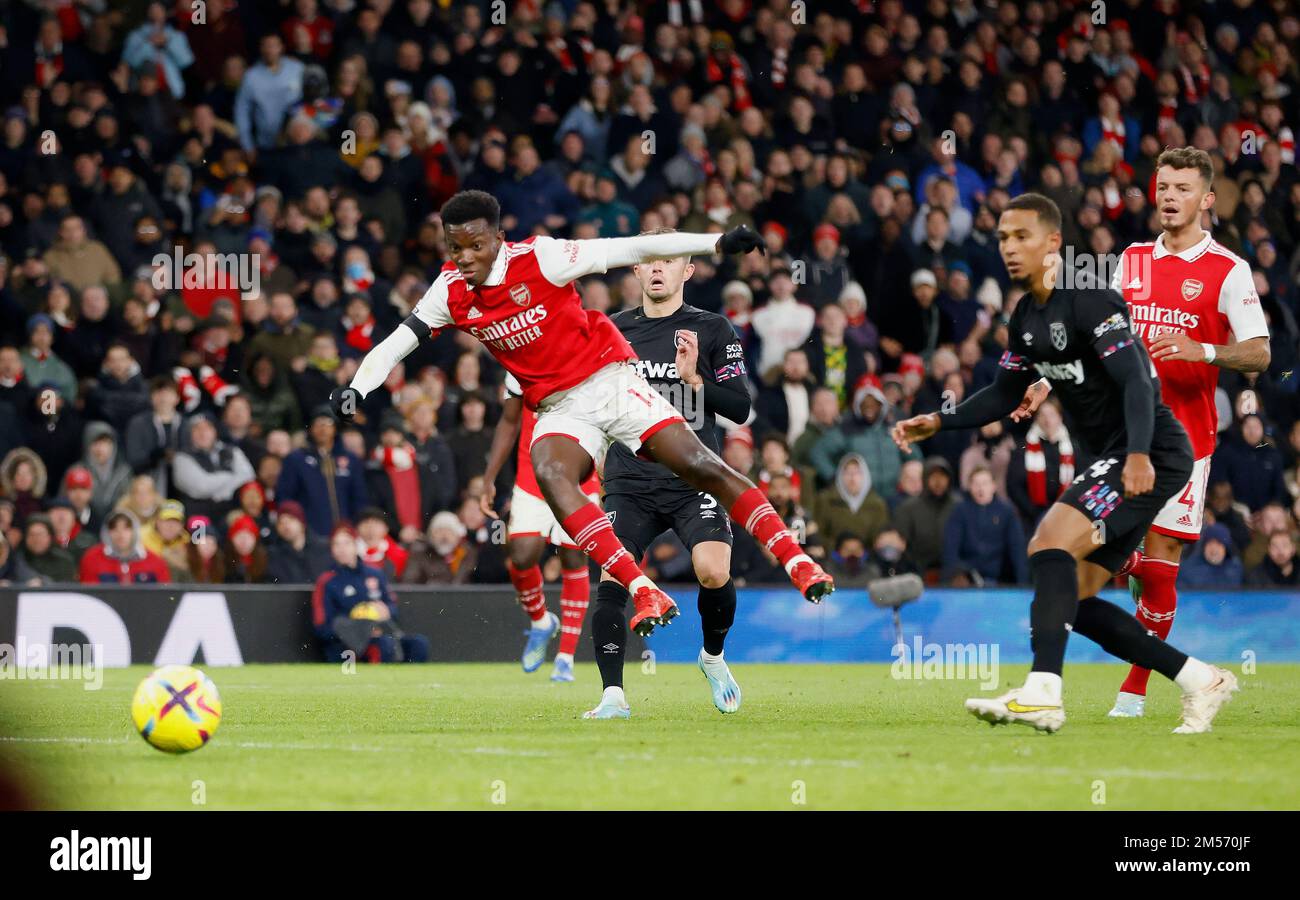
[[525, 478], [1206, 292], [529, 316]]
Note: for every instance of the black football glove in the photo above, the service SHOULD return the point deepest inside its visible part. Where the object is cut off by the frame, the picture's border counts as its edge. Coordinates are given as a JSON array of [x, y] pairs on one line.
[[741, 240], [344, 401]]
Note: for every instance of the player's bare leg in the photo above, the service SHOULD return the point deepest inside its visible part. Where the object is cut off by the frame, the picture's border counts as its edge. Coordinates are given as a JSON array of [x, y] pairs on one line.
[[561, 465], [678, 448], [1064, 588], [1156, 577], [575, 597]]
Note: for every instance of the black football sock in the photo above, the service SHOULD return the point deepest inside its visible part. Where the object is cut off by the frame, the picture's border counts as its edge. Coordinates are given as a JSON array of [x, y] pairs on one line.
[[1056, 590], [717, 608], [1120, 634], [609, 631]]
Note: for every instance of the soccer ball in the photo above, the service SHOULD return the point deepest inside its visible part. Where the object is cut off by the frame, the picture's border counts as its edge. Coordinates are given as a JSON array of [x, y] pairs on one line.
[[176, 709]]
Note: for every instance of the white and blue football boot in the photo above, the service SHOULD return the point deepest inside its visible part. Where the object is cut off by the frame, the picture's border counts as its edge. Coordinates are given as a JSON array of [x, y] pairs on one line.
[[539, 637], [612, 705], [726, 693], [563, 670]]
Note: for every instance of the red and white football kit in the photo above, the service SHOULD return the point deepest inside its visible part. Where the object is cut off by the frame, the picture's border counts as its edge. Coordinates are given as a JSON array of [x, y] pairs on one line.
[[1207, 293], [571, 362], [529, 513]]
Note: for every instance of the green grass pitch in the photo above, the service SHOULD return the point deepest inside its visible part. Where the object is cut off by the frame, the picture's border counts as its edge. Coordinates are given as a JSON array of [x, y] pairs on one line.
[[462, 736]]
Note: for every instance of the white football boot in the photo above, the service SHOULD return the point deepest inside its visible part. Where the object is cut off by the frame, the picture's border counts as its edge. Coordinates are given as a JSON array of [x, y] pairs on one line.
[[1128, 706], [1008, 709], [1200, 707]]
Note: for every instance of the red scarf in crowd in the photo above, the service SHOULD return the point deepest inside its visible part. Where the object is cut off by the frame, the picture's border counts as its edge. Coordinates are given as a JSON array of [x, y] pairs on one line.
[[399, 466], [1036, 464], [385, 549], [736, 75]]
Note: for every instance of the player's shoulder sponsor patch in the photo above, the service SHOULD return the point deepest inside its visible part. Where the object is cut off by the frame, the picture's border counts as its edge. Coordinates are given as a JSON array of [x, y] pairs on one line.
[[1116, 347], [1013, 362], [735, 351], [1113, 322], [730, 370]]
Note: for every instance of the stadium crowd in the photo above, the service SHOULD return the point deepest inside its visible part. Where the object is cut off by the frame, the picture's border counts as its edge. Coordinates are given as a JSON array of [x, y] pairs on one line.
[[178, 430]]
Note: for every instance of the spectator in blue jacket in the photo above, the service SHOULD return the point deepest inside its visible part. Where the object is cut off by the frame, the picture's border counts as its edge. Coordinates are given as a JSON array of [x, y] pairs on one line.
[[983, 538], [534, 196], [355, 591], [1214, 563], [325, 478]]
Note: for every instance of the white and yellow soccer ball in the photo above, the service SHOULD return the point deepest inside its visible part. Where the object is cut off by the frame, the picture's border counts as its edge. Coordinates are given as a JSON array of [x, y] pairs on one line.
[[176, 709]]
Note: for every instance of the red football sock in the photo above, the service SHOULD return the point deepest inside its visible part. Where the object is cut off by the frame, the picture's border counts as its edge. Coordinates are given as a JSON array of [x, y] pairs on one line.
[[753, 513], [575, 594], [528, 587], [1155, 611], [595, 537]]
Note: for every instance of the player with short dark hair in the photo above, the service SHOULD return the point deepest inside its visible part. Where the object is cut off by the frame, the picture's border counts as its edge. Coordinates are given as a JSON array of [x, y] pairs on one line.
[[1079, 338], [693, 358], [574, 366]]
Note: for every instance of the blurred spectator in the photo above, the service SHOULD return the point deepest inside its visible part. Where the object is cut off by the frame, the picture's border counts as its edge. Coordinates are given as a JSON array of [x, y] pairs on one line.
[[79, 260], [835, 360], [68, 530], [850, 506], [823, 416], [376, 547], [119, 393], [400, 484], [142, 501], [207, 470], [1279, 568], [445, 556], [1042, 467], [244, 556], [271, 402], [153, 436], [40, 364], [102, 471], [23, 480], [470, 442], [1213, 563], [207, 564], [787, 404], [167, 537], [1224, 510], [983, 542], [847, 563], [889, 556], [1265, 523], [121, 558], [42, 556], [781, 324], [921, 520], [327, 480], [297, 556], [1251, 464], [867, 434], [266, 93], [156, 46], [774, 459]]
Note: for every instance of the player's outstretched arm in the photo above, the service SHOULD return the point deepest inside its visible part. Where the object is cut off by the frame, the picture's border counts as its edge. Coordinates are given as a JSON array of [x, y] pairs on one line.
[[503, 443], [990, 404], [563, 261], [374, 370]]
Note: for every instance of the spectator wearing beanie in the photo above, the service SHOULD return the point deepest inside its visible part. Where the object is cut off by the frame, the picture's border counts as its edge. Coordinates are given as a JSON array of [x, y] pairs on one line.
[[828, 272], [1214, 562], [296, 556], [327, 480], [921, 519], [245, 557], [40, 363]]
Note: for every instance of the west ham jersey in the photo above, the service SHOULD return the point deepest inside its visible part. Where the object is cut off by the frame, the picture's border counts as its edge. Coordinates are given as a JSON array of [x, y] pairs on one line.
[[529, 316], [1206, 292]]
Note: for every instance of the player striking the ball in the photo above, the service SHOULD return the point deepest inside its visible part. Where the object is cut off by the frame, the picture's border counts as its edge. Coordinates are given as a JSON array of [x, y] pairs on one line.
[[693, 358], [1193, 302], [1079, 339], [532, 526], [574, 366]]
